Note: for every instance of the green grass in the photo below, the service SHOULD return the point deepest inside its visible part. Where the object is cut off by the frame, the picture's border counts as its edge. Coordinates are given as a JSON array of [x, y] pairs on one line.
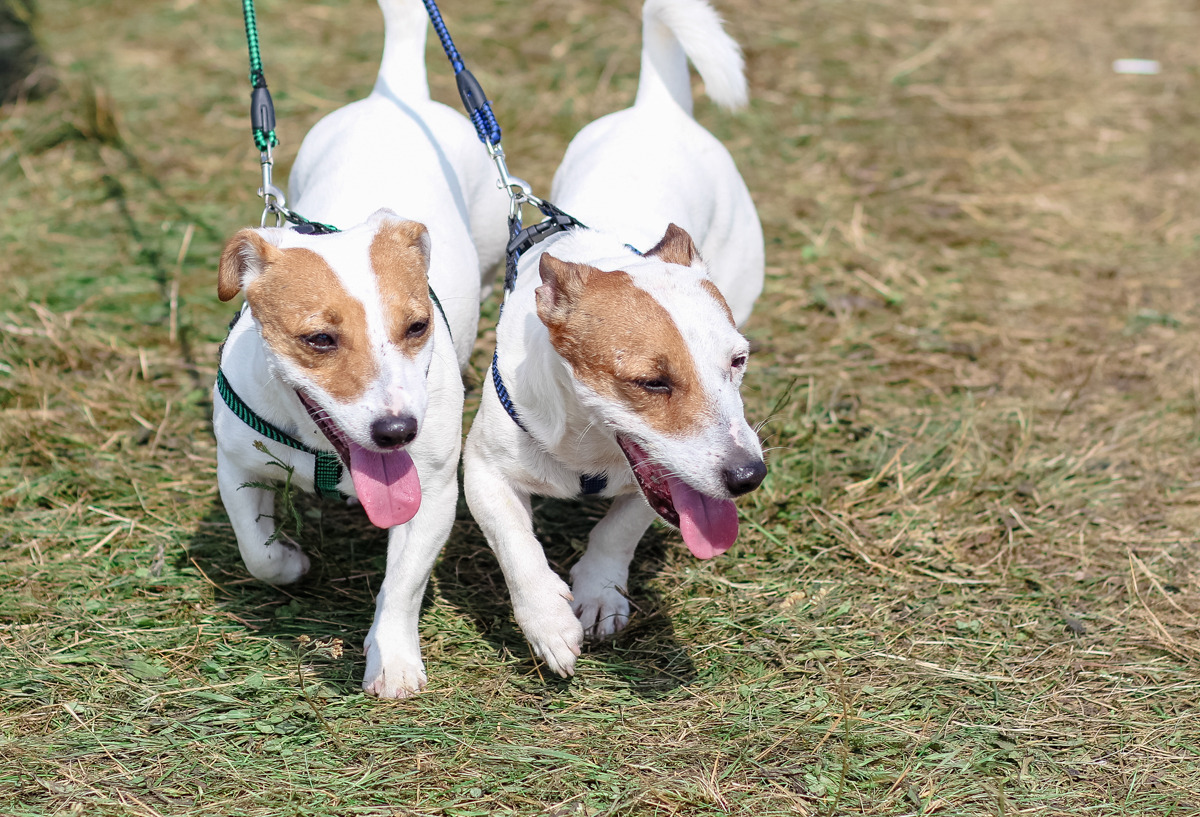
[[968, 585]]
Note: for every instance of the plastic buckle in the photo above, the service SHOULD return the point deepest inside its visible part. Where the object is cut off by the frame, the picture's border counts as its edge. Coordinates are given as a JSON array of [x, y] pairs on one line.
[[536, 233]]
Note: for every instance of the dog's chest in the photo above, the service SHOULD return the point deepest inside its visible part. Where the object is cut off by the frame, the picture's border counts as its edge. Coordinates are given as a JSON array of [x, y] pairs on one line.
[[585, 462]]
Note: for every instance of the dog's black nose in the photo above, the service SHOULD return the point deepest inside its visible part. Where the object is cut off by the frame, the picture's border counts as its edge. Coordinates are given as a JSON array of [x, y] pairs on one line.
[[742, 479], [393, 432]]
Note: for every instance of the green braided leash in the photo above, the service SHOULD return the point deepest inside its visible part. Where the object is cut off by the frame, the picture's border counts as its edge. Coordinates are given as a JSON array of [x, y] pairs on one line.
[[264, 130]]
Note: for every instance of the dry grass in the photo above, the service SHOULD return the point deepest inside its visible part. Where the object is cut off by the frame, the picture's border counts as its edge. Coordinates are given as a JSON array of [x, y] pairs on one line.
[[968, 586]]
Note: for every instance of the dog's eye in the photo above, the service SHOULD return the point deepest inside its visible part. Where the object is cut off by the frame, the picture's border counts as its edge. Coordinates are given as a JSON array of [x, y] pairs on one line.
[[659, 385], [417, 329], [738, 362], [321, 341]]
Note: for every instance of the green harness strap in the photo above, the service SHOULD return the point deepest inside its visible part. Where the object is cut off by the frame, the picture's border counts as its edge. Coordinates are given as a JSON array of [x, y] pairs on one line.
[[327, 472]]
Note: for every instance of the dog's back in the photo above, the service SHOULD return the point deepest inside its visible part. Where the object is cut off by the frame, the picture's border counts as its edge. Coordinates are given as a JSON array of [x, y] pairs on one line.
[[403, 80], [635, 171], [396, 139]]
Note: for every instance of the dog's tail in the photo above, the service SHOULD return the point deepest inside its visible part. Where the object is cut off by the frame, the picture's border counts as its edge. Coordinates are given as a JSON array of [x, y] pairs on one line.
[[674, 31], [402, 71]]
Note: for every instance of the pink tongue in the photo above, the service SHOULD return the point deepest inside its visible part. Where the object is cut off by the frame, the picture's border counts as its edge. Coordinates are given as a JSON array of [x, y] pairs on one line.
[[387, 485], [709, 526]]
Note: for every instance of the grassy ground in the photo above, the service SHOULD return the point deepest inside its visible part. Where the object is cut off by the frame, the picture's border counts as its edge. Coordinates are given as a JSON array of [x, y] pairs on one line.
[[969, 584]]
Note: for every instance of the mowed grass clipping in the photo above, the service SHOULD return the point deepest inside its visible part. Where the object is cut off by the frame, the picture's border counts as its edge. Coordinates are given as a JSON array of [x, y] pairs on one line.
[[969, 584]]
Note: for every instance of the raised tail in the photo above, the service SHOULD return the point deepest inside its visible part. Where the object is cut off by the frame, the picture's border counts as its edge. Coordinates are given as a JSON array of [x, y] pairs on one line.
[[674, 31], [402, 71]]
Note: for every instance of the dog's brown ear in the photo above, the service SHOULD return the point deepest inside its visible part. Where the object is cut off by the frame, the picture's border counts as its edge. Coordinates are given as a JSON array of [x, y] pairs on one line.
[[399, 235], [562, 284], [676, 247], [243, 259], [400, 258]]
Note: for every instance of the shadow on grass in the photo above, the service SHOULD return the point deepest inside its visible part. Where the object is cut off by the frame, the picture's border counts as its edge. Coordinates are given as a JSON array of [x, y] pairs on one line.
[[646, 657], [337, 598]]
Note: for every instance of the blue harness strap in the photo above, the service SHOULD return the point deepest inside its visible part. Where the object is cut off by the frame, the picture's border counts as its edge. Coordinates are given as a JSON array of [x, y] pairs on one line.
[[502, 393], [520, 241], [589, 484]]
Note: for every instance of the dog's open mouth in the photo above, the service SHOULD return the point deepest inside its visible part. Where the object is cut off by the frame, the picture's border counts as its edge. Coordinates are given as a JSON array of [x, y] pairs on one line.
[[386, 482], [709, 525]]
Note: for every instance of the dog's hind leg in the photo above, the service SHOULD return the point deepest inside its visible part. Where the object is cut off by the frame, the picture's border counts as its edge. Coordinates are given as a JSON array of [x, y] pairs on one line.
[[393, 646], [541, 600], [251, 512], [598, 579]]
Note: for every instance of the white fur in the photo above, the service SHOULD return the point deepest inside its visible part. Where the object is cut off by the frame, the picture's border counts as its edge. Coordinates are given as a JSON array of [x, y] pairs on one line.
[[674, 31], [399, 149], [628, 174]]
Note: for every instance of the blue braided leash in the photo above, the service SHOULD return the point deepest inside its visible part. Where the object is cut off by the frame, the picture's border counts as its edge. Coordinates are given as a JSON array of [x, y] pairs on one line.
[[479, 109]]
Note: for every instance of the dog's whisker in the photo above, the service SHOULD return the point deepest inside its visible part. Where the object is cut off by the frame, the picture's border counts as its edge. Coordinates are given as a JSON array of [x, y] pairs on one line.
[[583, 433]]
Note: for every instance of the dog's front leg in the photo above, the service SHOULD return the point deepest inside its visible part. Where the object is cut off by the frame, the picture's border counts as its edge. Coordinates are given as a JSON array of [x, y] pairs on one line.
[[598, 579], [251, 512], [541, 600], [393, 646]]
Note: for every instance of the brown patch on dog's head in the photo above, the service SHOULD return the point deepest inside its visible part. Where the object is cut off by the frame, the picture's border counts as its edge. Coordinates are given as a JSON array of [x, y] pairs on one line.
[[308, 317], [712, 290], [400, 258], [622, 344]]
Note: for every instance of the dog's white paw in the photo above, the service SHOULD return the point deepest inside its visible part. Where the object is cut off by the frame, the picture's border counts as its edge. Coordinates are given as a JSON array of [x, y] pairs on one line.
[[551, 627], [392, 672], [600, 604], [602, 612], [279, 564]]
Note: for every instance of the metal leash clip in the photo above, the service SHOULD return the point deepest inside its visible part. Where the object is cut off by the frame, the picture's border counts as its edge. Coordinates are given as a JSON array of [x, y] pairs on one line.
[[273, 198], [519, 191]]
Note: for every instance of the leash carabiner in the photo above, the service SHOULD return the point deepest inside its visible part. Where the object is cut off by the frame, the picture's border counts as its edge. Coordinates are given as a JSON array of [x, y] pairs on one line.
[[519, 191], [274, 201]]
